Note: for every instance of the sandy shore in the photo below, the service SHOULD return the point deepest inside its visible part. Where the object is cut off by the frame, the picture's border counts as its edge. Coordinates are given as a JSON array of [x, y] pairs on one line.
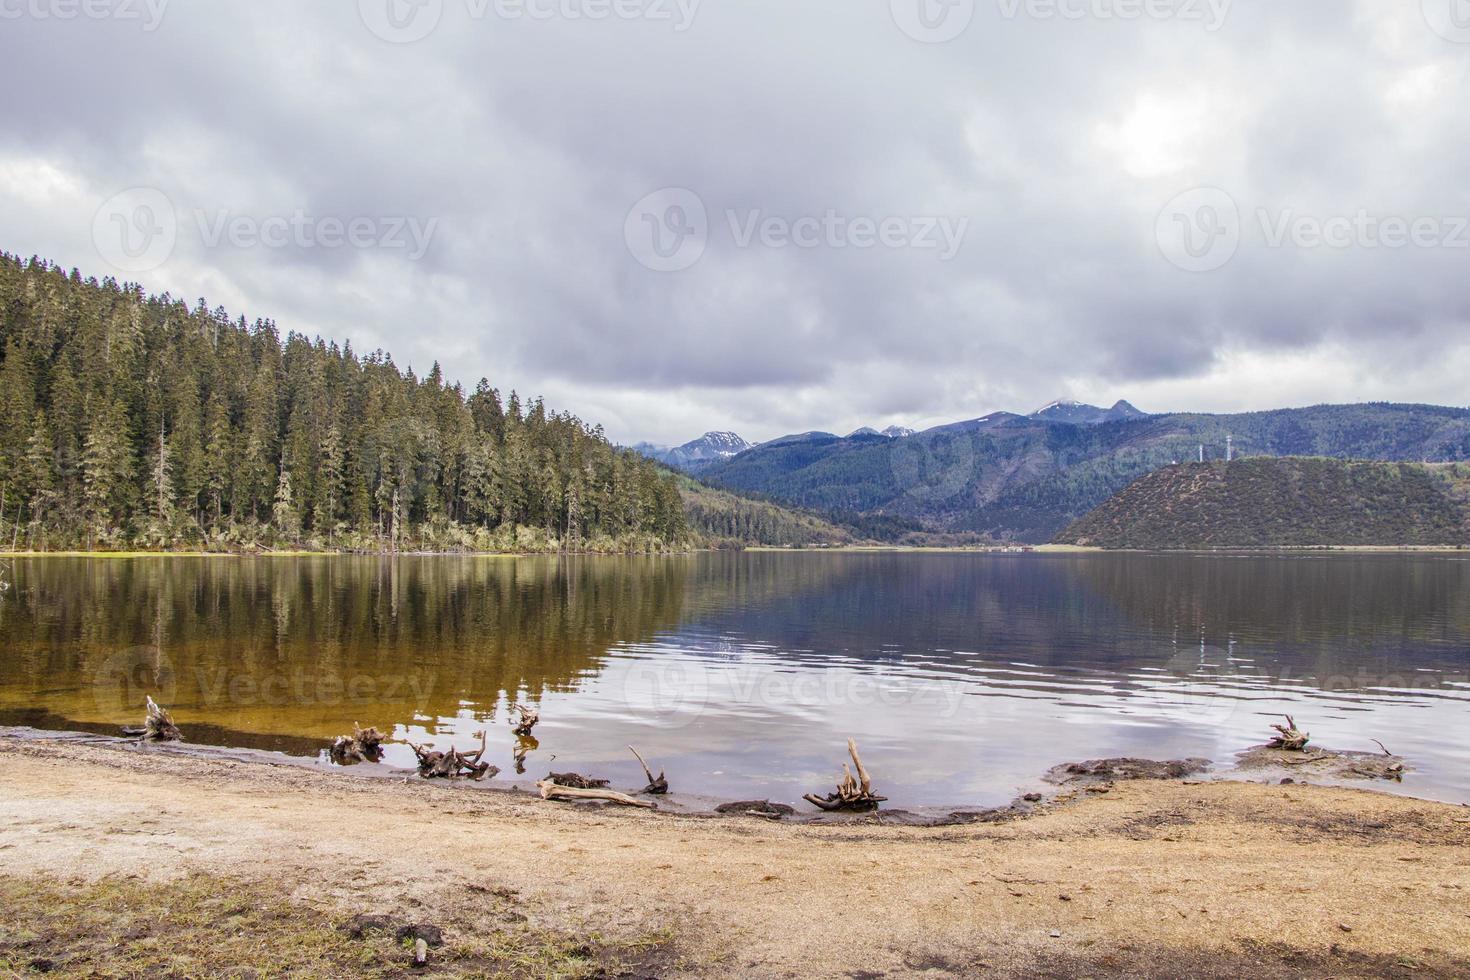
[[1147, 879]]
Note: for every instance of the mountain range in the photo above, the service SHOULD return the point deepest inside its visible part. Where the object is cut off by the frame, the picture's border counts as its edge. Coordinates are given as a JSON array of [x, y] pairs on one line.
[[1026, 477], [714, 447]]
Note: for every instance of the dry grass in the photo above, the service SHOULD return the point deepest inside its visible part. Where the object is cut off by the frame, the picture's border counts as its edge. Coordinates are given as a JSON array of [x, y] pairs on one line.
[[204, 925]]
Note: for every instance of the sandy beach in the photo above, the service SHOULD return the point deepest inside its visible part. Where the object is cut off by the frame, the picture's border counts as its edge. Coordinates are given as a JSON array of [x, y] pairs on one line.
[[116, 862]]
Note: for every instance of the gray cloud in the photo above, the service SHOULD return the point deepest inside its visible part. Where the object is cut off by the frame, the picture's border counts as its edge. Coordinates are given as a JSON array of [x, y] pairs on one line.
[[1059, 141]]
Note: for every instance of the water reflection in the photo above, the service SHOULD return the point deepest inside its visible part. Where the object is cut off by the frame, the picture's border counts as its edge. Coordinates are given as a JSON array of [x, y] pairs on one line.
[[964, 676], [307, 646]]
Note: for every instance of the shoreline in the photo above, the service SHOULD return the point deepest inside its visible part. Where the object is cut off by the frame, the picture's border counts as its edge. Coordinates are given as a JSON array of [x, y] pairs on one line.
[[1062, 783], [987, 550], [1149, 879]]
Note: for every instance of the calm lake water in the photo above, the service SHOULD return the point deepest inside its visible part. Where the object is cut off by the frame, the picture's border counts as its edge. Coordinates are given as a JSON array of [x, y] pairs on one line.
[[963, 677]]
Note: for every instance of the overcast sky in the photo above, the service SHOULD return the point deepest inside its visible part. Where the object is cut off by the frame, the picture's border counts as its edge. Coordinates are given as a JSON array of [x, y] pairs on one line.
[[776, 215]]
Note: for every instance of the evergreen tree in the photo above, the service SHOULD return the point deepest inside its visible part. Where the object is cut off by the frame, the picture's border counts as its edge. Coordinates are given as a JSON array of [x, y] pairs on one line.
[[283, 510], [330, 483], [40, 470], [161, 488], [107, 472]]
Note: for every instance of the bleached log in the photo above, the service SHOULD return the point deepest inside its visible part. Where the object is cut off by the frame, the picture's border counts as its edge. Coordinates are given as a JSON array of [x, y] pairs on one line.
[[552, 791]]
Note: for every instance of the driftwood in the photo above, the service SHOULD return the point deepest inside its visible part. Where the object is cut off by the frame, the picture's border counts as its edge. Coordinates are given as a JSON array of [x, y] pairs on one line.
[[158, 726], [363, 745], [529, 717], [553, 791], [1393, 769], [451, 764], [852, 794], [1289, 737], [575, 780], [655, 787]]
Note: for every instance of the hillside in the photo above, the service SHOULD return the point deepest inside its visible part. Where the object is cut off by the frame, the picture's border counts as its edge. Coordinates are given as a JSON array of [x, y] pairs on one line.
[[726, 520], [1292, 502], [129, 421], [1012, 477]]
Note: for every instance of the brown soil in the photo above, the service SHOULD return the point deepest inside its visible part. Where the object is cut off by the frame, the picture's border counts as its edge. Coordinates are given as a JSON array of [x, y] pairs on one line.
[[1142, 879]]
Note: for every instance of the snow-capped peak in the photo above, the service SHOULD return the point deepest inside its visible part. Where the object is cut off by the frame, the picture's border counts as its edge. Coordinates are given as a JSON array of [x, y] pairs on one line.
[[729, 441]]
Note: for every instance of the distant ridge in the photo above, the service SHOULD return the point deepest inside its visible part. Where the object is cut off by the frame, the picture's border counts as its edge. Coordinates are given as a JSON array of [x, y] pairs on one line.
[[1286, 502], [1076, 413], [1025, 478], [712, 447]]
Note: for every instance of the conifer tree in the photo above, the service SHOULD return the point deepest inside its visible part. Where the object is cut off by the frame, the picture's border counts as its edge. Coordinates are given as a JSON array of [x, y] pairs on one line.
[[40, 470], [283, 510]]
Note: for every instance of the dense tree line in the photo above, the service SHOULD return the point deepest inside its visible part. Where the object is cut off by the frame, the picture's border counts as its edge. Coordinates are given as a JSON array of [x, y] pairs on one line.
[[130, 420]]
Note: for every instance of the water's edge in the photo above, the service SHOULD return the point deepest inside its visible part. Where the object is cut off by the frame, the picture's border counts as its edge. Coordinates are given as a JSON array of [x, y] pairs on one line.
[[1063, 789]]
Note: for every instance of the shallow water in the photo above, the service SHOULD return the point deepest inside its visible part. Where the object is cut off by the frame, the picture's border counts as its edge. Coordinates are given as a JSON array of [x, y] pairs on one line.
[[962, 676]]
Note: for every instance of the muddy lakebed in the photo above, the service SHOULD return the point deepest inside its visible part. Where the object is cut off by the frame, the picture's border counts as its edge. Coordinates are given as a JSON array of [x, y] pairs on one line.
[[967, 679]]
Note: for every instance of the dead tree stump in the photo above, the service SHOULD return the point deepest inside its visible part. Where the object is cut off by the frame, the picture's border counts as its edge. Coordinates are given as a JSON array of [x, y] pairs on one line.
[[1289, 737], [363, 745], [453, 764], [852, 794], [158, 726], [655, 787]]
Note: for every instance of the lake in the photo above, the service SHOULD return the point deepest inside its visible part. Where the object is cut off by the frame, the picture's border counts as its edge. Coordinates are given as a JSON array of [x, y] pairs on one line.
[[962, 676]]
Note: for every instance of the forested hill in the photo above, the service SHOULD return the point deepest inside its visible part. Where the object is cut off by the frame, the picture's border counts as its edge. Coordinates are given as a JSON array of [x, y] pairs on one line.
[[129, 420], [1262, 503], [725, 520]]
